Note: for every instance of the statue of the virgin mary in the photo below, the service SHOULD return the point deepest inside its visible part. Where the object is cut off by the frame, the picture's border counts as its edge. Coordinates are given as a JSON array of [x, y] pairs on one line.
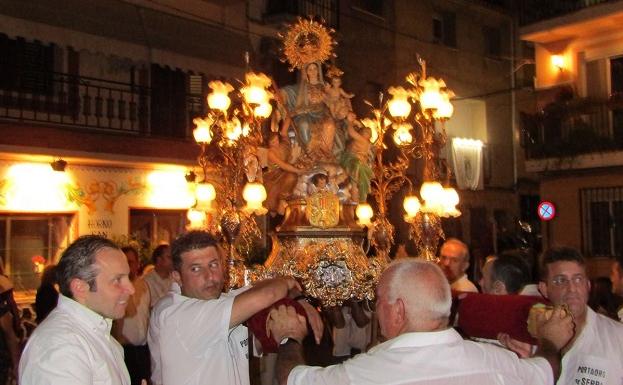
[[307, 45], [309, 116]]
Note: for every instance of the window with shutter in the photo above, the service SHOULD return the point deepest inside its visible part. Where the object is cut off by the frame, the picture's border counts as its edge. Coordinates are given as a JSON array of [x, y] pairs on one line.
[[449, 29], [444, 28], [492, 41], [602, 221], [154, 227]]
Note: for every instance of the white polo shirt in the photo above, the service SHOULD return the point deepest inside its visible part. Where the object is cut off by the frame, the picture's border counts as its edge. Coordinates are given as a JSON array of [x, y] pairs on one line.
[[464, 284], [158, 286], [434, 358], [73, 346], [532, 290], [596, 355], [191, 343]]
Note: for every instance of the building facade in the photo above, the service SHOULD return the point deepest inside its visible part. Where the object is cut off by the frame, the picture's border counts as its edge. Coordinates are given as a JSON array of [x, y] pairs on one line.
[[111, 88], [573, 138]]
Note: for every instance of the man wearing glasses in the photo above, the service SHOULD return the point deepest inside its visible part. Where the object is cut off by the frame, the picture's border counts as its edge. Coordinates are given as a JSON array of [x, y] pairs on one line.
[[594, 355]]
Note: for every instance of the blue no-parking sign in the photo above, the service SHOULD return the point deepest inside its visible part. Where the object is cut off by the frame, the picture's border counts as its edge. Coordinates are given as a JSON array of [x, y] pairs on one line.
[[546, 211]]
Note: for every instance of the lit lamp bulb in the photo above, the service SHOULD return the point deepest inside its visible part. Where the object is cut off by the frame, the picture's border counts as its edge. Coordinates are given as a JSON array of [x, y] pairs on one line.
[[254, 92], [202, 133], [254, 194], [263, 110], [402, 134], [196, 218], [364, 214], [411, 205], [432, 194], [399, 106], [451, 199], [218, 98], [430, 99], [205, 194], [445, 108], [558, 61]]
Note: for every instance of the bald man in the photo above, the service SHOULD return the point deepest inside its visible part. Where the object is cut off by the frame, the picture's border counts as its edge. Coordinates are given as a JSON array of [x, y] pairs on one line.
[[454, 261], [413, 305]]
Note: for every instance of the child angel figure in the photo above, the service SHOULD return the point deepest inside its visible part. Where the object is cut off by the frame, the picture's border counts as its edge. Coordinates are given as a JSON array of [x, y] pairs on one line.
[[319, 183], [356, 159], [336, 98]]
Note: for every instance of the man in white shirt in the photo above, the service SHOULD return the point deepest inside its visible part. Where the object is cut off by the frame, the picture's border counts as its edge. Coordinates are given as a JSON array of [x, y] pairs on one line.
[[197, 337], [131, 330], [594, 356], [73, 345], [159, 279], [454, 261], [413, 305]]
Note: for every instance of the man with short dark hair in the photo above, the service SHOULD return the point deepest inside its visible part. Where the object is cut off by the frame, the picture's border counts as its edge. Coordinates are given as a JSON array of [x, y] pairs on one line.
[[454, 261], [197, 336], [506, 274], [594, 355], [73, 344], [413, 305]]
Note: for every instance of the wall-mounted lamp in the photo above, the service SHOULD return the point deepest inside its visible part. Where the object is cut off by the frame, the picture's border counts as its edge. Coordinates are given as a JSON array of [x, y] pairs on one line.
[[558, 61], [58, 165]]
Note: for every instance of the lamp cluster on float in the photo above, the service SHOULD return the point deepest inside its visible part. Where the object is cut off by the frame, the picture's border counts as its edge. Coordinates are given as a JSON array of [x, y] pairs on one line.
[[438, 200], [423, 105], [234, 128]]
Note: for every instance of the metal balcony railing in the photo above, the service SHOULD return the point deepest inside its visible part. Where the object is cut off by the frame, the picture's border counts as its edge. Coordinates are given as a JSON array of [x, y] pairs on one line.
[[532, 11], [90, 103], [327, 10], [574, 127], [77, 101]]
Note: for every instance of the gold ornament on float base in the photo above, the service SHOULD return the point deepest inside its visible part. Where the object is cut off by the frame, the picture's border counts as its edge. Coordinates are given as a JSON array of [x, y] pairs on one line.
[[330, 269], [323, 210]]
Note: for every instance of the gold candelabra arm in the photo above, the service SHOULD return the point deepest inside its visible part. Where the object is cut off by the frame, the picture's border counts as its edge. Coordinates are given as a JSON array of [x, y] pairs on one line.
[[202, 160], [422, 64]]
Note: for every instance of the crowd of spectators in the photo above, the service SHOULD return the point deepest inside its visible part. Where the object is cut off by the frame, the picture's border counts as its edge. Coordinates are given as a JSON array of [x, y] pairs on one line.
[[102, 319]]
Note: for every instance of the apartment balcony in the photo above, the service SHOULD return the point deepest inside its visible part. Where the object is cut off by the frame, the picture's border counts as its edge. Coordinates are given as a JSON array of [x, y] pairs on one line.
[[574, 134], [534, 11], [285, 11], [58, 110], [559, 20]]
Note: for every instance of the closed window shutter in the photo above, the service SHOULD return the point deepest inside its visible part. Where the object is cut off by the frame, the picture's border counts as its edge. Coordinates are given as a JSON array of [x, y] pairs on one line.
[[596, 79], [449, 29], [195, 84]]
